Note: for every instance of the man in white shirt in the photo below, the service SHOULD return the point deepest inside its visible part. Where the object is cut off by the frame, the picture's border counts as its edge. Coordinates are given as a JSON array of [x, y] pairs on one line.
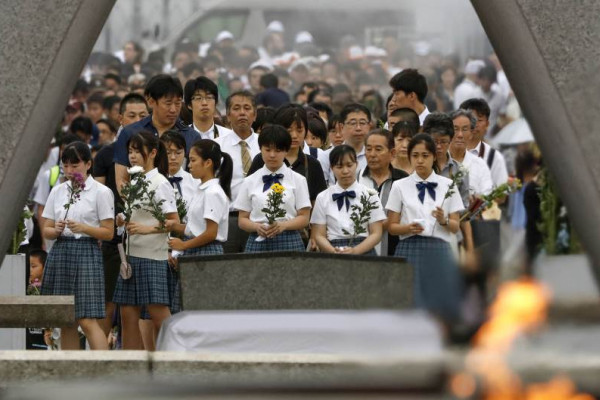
[[480, 179], [468, 88], [242, 146], [476, 146], [201, 96], [410, 89], [492, 94]]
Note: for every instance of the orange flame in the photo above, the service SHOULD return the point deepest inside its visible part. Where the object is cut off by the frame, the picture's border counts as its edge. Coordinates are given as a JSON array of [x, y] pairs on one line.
[[520, 307]]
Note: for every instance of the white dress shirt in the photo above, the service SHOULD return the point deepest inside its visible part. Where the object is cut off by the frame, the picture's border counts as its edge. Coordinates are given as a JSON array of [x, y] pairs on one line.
[[96, 203], [361, 158], [209, 201], [210, 133], [253, 199], [230, 144], [423, 115], [480, 178], [326, 211], [466, 90], [498, 171], [188, 185], [404, 199]]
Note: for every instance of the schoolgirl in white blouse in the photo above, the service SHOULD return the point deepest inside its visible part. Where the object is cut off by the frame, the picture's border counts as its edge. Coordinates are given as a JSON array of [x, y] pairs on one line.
[[74, 265], [425, 215], [333, 208], [284, 234], [148, 247]]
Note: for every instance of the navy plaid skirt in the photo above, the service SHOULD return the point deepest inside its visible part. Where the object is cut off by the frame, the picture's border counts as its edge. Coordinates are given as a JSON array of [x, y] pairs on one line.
[[210, 249], [286, 241], [174, 291], [437, 277], [74, 267], [346, 243], [148, 283]]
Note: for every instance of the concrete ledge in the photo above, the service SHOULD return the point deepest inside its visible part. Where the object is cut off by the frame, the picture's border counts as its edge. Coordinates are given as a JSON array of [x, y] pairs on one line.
[[36, 311]]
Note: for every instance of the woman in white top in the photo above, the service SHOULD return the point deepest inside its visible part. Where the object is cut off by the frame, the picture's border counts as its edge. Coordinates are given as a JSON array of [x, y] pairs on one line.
[[208, 211], [148, 248], [284, 234], [424, 213], [333, 208], [74, 265]]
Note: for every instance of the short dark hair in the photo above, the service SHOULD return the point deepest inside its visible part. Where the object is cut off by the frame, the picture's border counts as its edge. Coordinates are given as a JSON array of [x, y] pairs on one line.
[[269, 81], [354, 107], [132, 98], [68, 139], [287, 114], [322, 107], [404, 129], [385, 133], [438, 123], [200, 83], [488, 72], [114, 77], [190, 67], [82, 124], [409, 115], [110, 101], [410, 81], [76, 152], [173, 137], [163, 85], [275, 135], [108, 123], [264, 115], [317, 127], [316, 92], [242, 93], [339, 152], [480, 106], [419, 138], [39, 253], [95, 97]]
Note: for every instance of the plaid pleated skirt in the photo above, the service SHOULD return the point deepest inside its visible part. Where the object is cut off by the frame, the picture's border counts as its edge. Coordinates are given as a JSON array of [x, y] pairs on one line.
[[437, 284], [74, 267], [346, 243], [148, 283], [286, 241], [210, 249]]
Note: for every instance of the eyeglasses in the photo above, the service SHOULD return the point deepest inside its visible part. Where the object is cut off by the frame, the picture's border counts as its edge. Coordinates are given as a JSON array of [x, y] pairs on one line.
[[442, 142], [354, 123], [208, 97]]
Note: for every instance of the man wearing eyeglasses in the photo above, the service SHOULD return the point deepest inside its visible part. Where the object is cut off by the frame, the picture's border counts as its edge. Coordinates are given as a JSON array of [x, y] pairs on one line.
[[201, 97]]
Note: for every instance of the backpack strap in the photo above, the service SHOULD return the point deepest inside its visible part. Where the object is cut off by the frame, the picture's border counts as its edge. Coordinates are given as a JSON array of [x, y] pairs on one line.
[[490, 158]]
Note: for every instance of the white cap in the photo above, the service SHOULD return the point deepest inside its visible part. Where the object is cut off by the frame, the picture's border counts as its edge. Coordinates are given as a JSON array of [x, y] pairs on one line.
[[224, 35], [304, 37], [473, 66], [275, 27], [261, 63]]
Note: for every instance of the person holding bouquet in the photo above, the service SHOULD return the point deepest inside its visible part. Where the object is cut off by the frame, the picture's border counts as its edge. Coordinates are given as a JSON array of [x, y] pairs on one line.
[[348, 217], [147, 248], [274, 202], [78, 213], [208, 210], [423, 210]]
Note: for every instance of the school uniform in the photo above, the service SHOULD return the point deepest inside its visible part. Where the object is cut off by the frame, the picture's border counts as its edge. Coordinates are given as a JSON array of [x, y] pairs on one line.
[[361, 159], [253, 198], [214, 132], [148, 254], [74, 265], [437, 279], [209, 202], [333, 208]]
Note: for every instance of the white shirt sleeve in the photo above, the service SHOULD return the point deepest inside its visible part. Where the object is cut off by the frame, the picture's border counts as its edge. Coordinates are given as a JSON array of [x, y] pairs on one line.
[[455, 203], [243, 202], [164, 191], [319, 212], [214, 207], [49, 206], [394, 202], [485, 183], [302, 195], [43, 188], [377, 214], [105, 203], [499, 171]]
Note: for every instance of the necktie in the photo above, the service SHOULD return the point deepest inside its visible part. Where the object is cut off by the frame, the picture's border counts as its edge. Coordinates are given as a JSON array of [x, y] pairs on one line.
[[175, 181], [340, 197], [269, 180], [246, 159], [430, 186]]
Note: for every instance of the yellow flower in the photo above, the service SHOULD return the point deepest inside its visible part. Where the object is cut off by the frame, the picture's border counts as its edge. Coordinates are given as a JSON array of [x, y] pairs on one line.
[[277, 188]]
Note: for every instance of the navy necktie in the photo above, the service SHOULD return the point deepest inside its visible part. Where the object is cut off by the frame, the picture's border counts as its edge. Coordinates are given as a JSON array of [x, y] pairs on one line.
[[175, 180], [340, 197], [271, 179], [430, 186]]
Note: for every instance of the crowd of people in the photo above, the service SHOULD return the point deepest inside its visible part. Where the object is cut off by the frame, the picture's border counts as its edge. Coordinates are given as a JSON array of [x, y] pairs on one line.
[[262, 150]]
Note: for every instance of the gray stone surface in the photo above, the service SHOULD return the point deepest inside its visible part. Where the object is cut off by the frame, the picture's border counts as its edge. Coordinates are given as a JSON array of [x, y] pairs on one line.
[[36, 366], [295, 281], [44, 46], [550, 51], [36, 311]]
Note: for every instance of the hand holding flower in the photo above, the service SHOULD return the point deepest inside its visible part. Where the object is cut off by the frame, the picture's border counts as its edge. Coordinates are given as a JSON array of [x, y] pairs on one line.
[[177, 244], [275, 229], [59, 226], [76, 227], [439, 215], [140, 229]]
